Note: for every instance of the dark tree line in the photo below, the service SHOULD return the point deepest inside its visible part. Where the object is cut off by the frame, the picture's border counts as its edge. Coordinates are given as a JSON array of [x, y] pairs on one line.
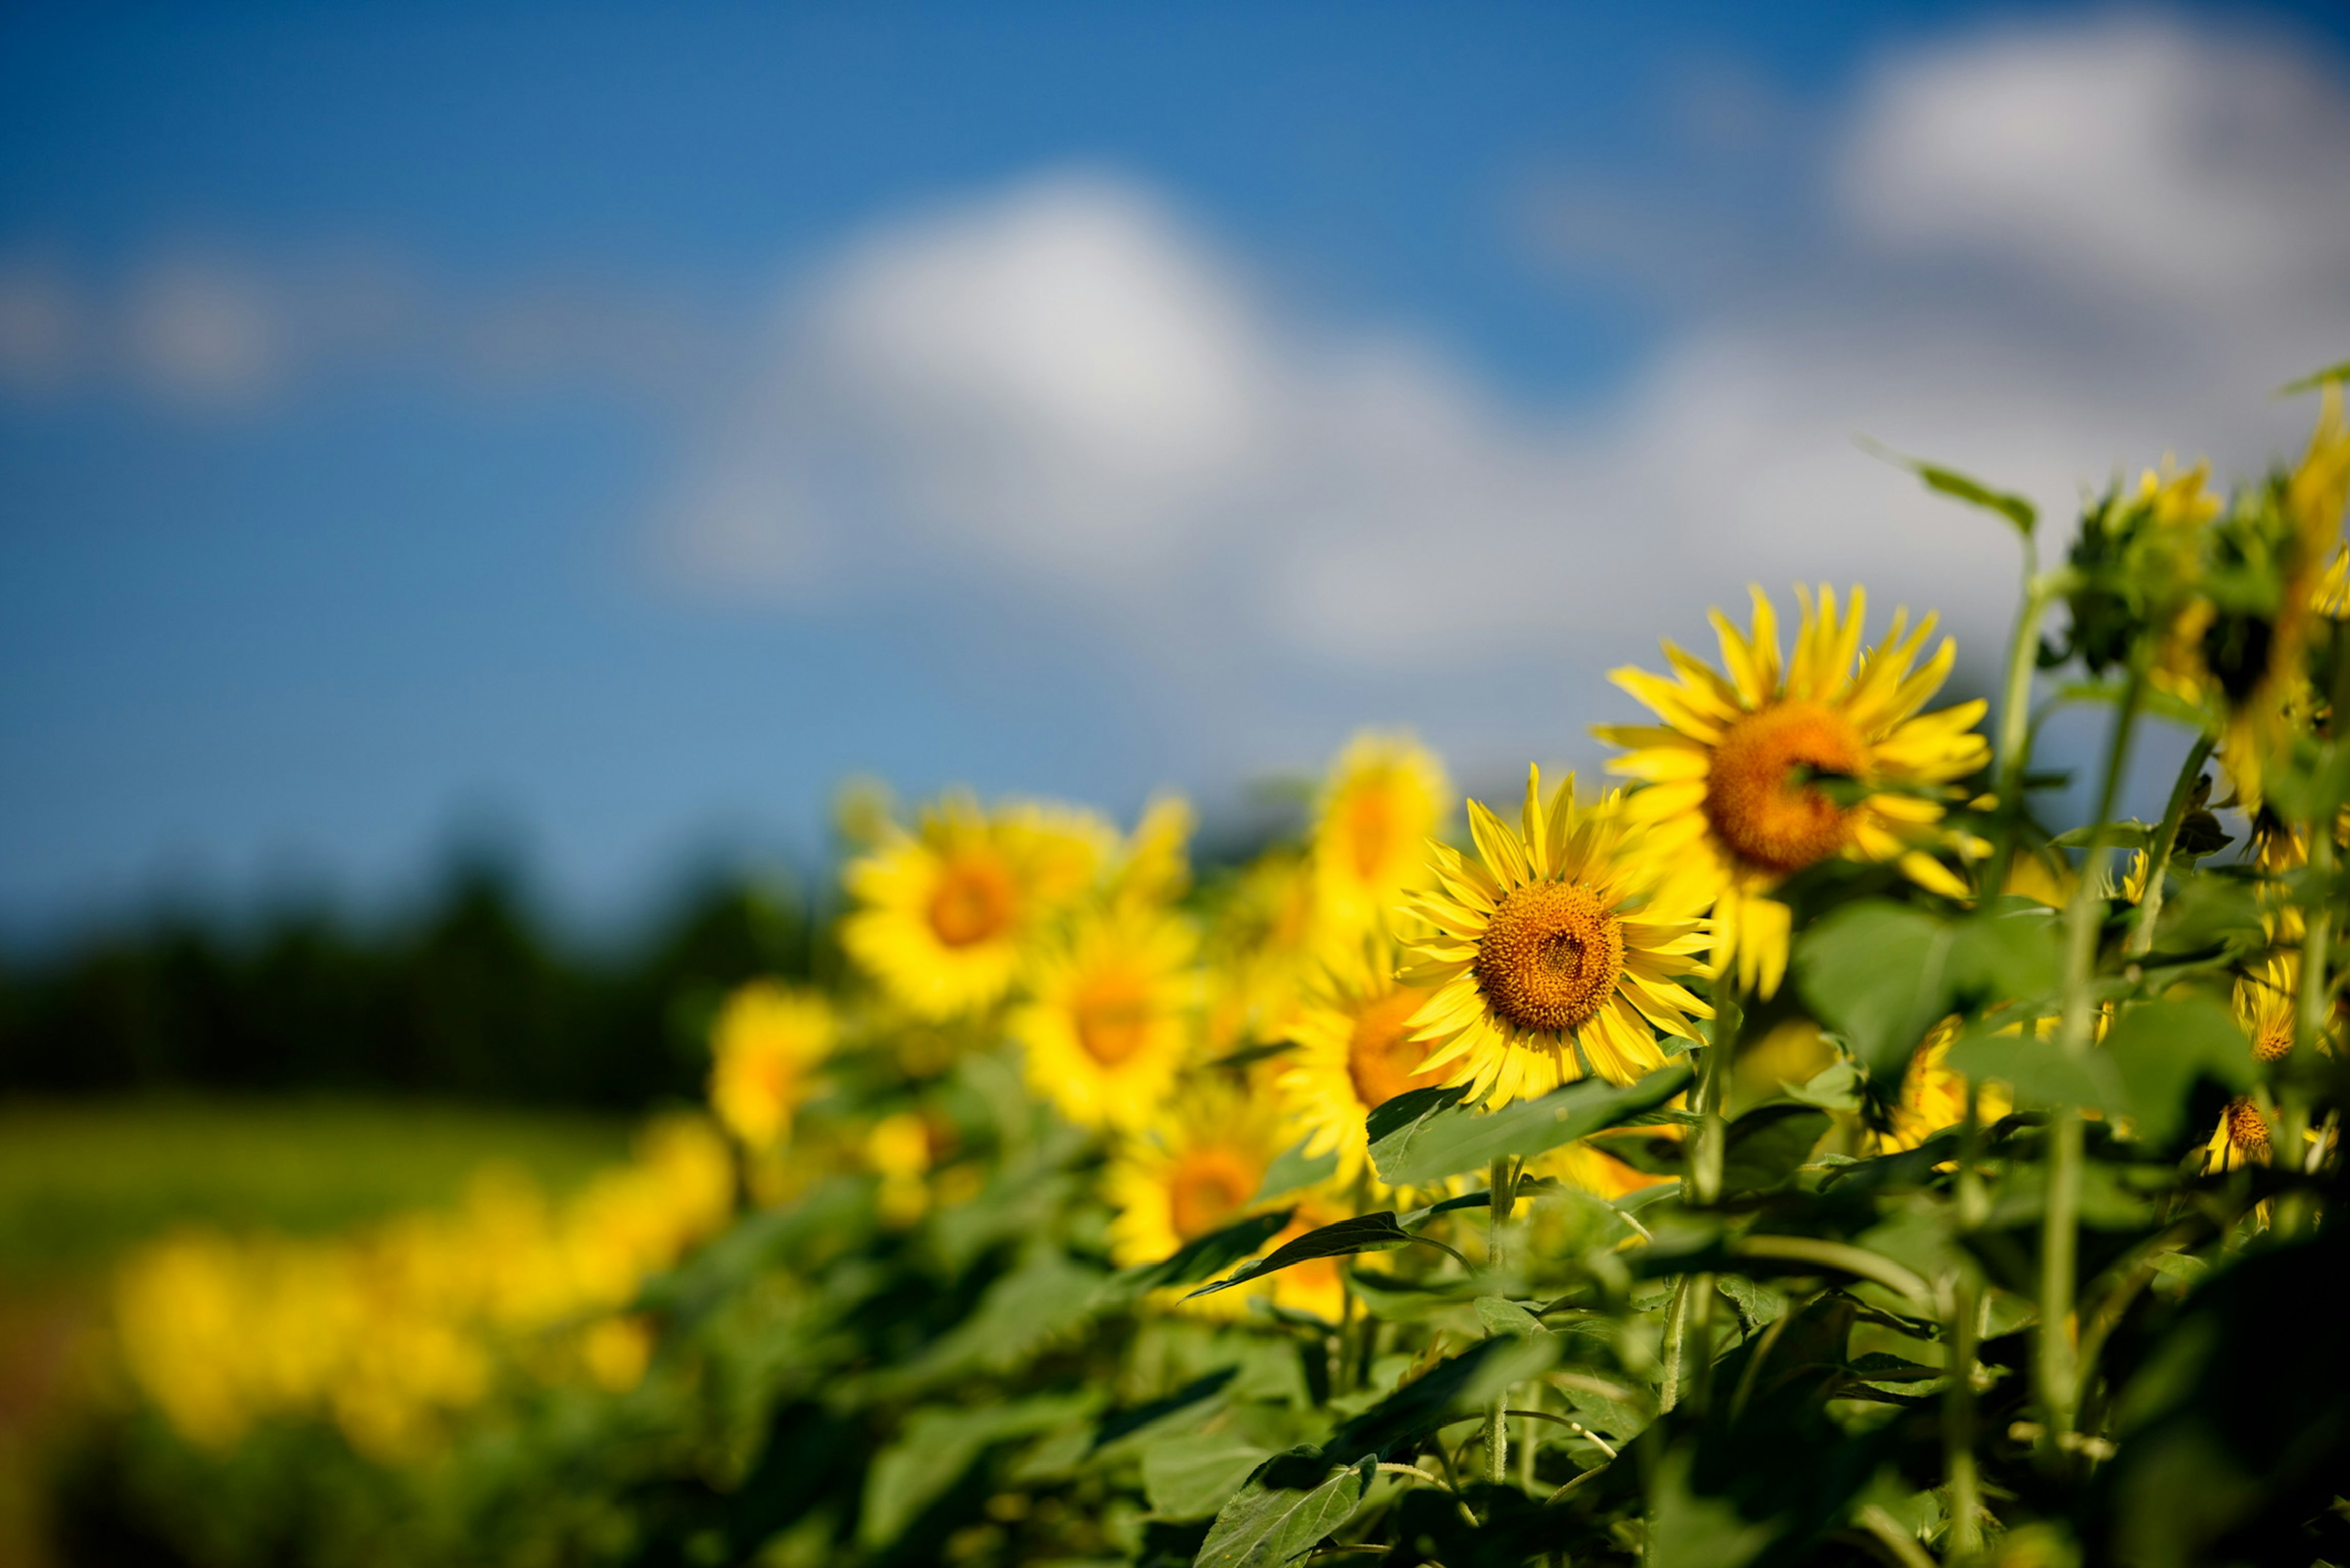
[[475, 994]]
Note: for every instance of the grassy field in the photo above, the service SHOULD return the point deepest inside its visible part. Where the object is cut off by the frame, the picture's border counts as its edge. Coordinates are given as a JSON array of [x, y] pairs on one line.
[[81, 1180]]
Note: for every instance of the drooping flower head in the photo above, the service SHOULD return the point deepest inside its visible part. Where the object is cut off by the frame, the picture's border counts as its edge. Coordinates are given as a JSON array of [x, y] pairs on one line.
[[947, 913], [1355, 1049], [767, 1039], [1386, 794], [1111, 1014], [1755, 774], [1555, 950], [1933, 1097]]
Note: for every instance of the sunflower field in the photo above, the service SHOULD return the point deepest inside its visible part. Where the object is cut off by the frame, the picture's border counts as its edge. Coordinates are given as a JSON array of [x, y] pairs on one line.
[[1795, 1147]]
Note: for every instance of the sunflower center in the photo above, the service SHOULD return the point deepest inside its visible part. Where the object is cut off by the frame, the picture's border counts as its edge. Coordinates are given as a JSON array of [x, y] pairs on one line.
[[973, 901], [1207, 1188], [1550, 956], [1113, 1016], [2247, 1128], [2273, 1044], [1381, 1057], [1759, 802]]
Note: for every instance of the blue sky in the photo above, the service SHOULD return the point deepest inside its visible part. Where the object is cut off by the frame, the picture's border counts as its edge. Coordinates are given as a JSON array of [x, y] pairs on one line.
[[620, 425]]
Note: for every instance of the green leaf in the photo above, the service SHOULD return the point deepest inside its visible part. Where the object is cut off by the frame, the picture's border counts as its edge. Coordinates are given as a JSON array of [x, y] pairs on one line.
[[1122, 1423], [2316, 379], [1192, 1477], [1502, 1315], [1876, 973], [1211, 1254], [1288, 1505], [1362, 1233], [934, 1449], [1950, 482], [2126, 834], [1464, 1381], [1689, 1529], [1765, 1146], [1294, 1168], [1444, 1140], [1881, 974], [2160, 1049], [2041, 1072]]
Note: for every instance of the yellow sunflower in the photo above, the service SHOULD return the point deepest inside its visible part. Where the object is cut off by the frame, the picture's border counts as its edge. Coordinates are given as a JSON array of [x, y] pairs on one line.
[[1386, 793], [1262, 946], [948, 912], [2267, 1004], [2241, 1137], [1555, 950], [1729, 774], [1355, 1050], [1934, 1097], [1110, 1017], [766, 1038], [1197, 1169]]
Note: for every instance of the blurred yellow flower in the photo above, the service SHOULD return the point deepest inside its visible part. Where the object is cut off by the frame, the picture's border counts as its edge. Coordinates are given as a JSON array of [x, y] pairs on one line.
[[1934, 1097], [1385, 796], [947, 914], [1556, 950], [1355, 1049], [1262, 950], [1731, 773], [898, 1148], [1109, 1023], [766, 1038]]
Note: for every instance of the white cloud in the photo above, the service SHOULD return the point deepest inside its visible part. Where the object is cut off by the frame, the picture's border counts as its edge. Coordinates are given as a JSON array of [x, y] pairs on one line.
[[1067, 385], [2133, 155]]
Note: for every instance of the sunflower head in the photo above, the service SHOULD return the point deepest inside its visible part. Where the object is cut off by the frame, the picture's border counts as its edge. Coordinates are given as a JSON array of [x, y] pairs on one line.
[[1110, 1016], [1386, 793], [1555, 950], [1934, 1097], [2266, 1000], [765, 1040], [1196, 1169], [946, 913], [1263, 945], [1355, 1049], [1773, 765]]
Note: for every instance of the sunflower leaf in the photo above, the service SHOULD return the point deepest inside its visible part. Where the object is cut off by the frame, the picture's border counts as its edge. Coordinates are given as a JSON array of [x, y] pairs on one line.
[[1216, 1250], [1958, 486], [1444, 1140], [1363, 1233], [1290, 1502]]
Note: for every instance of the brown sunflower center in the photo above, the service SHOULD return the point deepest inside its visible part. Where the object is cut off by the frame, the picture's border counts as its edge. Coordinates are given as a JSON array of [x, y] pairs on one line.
[[1207, 1188], [2247, 1128], [1113, 1016], [1550, 956], [1381, 1057], [2273, 1042], [1758, 799], [974, 901]]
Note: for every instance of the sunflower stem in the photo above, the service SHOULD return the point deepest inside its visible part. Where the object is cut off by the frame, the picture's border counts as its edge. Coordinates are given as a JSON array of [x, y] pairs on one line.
[[1502, 1185], [2015, 717], [2054, 1364], [2150, 904], [1959, 1396]]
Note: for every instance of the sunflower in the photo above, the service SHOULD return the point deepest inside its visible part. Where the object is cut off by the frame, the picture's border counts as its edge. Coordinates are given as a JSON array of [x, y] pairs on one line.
[[1730, 774], [1355, 1050], [948, 911], [766, 1039], [1386, 793], [2267, 1002], [1555, 950], [1197, 1169], [2241, 1137], [1262, 945], [1934, 1097], [1587, 1164], [1110, 1016]]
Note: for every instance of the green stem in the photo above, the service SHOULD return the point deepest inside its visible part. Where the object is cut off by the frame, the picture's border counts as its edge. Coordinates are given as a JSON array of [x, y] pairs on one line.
[[1958, 1396], [2149, 906], [2054, 1365], [2015, 718], [1502, 1187], [1675, 1328]]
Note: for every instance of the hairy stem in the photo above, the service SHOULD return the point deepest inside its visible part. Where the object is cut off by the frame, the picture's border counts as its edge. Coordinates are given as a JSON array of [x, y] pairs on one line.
[[2054, 1365], [2015, 719], [2149, 906], [1501, 1185]]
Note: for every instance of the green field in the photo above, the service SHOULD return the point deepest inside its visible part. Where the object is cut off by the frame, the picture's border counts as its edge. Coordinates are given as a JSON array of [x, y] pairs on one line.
[[81, 1180]]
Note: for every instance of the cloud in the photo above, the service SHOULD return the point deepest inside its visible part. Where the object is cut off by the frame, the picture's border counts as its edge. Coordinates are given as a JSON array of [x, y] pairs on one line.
[[1067, 385], [2193, 170]]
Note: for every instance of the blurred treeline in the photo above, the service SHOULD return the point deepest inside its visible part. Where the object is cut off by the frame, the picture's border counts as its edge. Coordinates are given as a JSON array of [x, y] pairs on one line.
[[474, 993]]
